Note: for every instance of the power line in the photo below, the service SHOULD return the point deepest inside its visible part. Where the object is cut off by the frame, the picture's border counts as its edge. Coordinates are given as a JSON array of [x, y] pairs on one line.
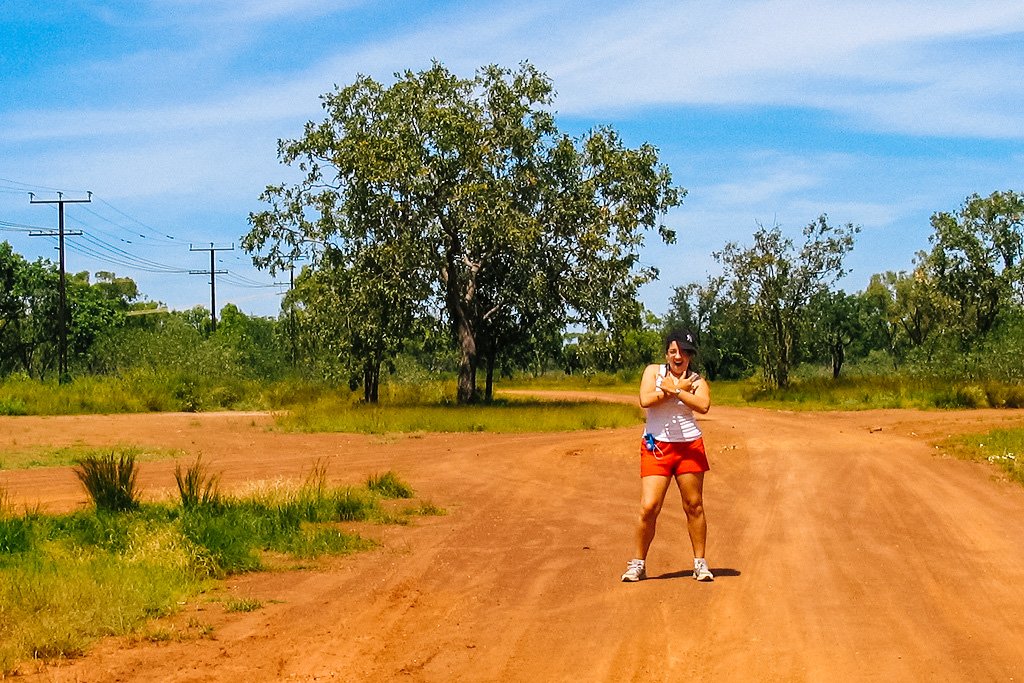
[[242, 281], [161, 236], [7, 226], [112, 236], [28, 187], [102, 252], [140, 262]]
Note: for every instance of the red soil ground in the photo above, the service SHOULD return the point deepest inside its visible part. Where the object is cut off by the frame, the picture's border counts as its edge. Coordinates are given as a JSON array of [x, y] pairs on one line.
[[845, 546]]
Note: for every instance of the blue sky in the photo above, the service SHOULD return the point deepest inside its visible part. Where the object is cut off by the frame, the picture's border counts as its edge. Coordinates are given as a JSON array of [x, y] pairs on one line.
[[169, 112]]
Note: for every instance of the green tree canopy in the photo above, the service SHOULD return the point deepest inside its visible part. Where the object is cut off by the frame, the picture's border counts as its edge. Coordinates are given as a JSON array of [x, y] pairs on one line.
[[977, 258], [28, 314], [775, 282], [721, 323], [505, 224]]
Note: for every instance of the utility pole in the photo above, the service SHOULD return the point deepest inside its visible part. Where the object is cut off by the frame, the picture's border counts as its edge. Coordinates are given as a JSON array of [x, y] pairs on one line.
[[212, 272], [62, 315]]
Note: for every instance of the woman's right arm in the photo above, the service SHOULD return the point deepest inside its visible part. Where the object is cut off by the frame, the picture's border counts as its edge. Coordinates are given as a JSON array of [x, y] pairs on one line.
[[649, 391]]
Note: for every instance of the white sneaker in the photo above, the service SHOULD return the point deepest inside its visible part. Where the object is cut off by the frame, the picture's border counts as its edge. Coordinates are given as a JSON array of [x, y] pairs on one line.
[[701, 571], [635, 571]]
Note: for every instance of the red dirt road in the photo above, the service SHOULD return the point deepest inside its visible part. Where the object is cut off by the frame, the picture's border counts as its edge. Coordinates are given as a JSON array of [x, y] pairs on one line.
[[845, 546]]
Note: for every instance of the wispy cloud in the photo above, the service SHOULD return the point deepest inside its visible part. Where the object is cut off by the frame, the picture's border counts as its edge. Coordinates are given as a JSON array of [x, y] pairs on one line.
[[214, 14], [881, 65], [884, 65], [296, 99]]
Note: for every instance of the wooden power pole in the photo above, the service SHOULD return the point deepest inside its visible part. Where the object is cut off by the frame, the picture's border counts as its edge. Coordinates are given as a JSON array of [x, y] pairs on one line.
[[62, 315]]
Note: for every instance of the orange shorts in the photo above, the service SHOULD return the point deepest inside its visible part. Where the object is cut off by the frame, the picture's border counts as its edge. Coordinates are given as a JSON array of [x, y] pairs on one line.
[[673, 457]]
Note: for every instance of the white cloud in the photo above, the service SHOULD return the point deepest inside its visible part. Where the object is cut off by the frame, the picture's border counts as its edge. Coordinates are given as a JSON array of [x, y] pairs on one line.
[[883, 64]]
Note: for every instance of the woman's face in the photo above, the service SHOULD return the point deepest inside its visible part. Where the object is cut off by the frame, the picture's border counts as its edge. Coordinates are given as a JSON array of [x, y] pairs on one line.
[[677, 359]]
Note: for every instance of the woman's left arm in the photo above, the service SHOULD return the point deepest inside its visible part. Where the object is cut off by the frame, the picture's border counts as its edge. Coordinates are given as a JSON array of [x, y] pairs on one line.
[[698, 398]]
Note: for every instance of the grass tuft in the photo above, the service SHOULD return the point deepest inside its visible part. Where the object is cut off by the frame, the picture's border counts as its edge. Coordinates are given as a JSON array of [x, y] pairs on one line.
[[110, 481], [196, 486], [242, 605], [389, 485], [426, 509]]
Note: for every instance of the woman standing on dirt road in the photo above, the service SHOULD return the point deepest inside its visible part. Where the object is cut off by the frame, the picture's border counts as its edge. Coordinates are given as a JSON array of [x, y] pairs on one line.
[[672, 447]]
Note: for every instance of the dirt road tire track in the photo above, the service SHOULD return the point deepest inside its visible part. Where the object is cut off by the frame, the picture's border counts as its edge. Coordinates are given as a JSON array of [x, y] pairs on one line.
[[845, 548]]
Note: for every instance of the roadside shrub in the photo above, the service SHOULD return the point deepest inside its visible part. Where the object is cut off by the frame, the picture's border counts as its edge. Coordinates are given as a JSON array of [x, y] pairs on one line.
[[16, 535], [196, 485], [1004, 395], [110, 481], [12, 406], [186, 393], [966, 396]]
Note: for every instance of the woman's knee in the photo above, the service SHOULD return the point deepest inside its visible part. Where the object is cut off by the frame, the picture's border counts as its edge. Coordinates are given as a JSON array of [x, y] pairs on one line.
[[649, 512]]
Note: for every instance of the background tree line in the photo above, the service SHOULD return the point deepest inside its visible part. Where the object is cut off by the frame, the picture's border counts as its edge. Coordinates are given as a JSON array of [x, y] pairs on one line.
[[957, 312], [447, 225]]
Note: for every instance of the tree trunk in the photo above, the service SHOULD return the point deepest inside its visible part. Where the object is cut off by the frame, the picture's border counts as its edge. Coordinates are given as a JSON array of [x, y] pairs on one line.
[[489, 387], [460, 295], [371, 381], [467, 361], [838, 357]]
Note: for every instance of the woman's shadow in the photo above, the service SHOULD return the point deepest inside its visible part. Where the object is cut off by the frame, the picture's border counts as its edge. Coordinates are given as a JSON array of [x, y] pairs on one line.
[[719, 572]]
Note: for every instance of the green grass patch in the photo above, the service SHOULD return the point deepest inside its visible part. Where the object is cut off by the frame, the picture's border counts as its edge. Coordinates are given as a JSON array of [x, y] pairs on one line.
[[1001, 447], [422, 404], [870, 392], [332, 415], [625, 382], [136, 391], [48, 456], [66, 580], [812, 388]]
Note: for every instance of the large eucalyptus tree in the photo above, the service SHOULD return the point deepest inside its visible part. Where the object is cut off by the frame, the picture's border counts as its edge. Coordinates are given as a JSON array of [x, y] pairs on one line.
[[508, 226]]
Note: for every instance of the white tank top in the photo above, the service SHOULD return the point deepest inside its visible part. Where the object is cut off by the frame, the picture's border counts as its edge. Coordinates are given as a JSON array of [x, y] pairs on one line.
[[671, 420]]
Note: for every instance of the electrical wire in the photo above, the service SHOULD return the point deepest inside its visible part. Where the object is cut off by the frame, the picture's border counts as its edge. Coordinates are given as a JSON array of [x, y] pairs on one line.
[[116, 239]]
